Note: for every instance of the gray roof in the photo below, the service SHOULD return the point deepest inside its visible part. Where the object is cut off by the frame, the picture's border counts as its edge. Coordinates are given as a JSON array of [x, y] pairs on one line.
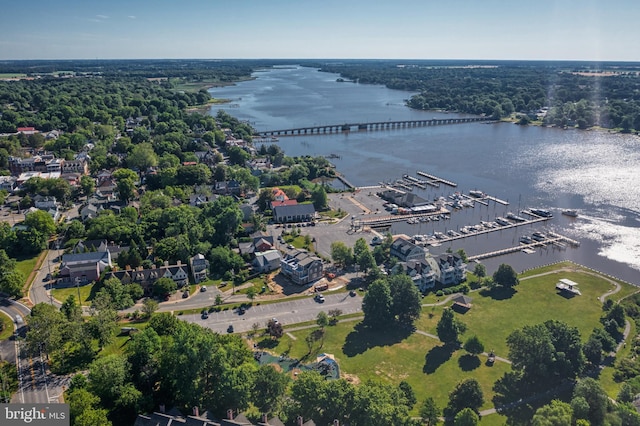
[[294, 210]]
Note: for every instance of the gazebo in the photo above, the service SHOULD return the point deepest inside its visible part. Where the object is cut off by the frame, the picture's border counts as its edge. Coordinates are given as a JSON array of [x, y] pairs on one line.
[[462, 302]]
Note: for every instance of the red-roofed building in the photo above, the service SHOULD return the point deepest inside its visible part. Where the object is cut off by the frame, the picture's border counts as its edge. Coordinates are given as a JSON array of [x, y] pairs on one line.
[[279, 195], [276, 203], [27, 130]]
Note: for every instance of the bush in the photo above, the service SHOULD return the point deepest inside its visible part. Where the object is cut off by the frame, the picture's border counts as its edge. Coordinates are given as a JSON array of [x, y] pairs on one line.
[[439, 293]]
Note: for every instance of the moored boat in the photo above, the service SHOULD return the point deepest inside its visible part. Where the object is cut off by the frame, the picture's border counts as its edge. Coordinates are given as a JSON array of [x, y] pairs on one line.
[[570, 213]]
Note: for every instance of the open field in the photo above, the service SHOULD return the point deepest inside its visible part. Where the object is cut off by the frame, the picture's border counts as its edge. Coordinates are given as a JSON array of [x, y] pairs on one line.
[[433, 370], [420, 360], [26, 266], [86, 294]]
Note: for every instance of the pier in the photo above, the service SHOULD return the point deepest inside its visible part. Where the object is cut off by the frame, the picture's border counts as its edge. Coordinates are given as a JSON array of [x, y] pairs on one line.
[[436, 179], [372, 126], [345, 181], [497, 200], [555, 239]]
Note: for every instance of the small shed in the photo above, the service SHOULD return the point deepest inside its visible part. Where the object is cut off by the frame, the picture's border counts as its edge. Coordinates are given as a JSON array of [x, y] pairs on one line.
[[462, 302], [567, 285]]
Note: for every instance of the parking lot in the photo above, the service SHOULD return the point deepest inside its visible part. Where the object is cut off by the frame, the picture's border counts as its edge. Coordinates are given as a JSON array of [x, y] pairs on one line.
[[291, 312]]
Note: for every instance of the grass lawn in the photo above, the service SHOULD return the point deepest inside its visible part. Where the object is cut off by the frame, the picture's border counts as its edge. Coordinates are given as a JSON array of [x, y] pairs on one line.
[[86, 294], [494, 316], [26, 266], [7, 329], [393, 358], [120, 342], [433, 370]]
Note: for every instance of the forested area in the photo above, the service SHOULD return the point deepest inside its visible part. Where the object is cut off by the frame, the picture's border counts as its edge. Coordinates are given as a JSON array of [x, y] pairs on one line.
[[576, 94]]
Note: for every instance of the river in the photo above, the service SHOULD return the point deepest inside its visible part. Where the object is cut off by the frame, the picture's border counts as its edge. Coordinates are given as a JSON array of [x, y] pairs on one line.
[[594, 172]]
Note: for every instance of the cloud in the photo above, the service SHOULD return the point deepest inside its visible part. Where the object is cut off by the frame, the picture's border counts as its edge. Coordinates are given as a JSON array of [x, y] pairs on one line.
[[131, 17], [102, 17]]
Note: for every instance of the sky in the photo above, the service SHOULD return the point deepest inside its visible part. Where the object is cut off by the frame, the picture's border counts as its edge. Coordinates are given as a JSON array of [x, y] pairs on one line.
[[378, 29]]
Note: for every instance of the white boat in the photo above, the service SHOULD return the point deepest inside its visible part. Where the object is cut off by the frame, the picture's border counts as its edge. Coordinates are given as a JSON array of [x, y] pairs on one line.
[[502, 221], [541, 212], [515, 217], [570, 213], [525, 239], [477, 194]]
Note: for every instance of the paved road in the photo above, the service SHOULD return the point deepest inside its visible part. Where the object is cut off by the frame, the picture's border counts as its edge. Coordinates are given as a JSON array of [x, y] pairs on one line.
[[39, 290], [291, 312]]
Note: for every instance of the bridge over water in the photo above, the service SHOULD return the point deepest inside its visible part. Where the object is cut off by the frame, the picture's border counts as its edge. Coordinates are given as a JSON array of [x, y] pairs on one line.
[[378, 125]]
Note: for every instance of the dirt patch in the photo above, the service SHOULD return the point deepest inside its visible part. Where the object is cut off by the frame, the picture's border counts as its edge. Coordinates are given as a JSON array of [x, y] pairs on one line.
[[351, 378]]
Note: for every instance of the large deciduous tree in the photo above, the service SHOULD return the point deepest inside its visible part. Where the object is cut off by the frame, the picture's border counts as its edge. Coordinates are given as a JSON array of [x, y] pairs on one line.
[[376, 305], [449, 328], [505, 276], [405, 300], [466, 394]]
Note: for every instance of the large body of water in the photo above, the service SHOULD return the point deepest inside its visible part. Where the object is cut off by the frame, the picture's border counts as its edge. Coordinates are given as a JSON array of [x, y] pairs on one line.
[[596, 173]]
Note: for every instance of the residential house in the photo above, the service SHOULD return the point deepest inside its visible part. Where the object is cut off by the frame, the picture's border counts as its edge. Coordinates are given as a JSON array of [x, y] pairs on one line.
[[248, 210], [259, 243], [8, 183], [405, 250], [199, 268], [27, 130], [146, 277], [47, 204], [423, 272], [278, 203], [90, 211], [452, 269], [75, 166], [267, 261], [279, 194], [87, 246], [294, 213], [301, 267], [83, 268]]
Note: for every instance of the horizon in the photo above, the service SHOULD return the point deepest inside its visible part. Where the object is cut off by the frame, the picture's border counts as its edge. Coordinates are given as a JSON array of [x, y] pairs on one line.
[[549, 30]]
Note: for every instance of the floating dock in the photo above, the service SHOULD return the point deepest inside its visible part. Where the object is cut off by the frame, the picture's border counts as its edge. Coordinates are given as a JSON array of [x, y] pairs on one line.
[[436, 179], [555, 239], [497, 200]]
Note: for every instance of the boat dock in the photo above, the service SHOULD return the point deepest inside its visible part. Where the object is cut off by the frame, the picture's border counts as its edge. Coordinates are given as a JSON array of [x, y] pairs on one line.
[[345, 181], [554, 239], [384, 221], [497, 200], [476, 199], [436, 179]]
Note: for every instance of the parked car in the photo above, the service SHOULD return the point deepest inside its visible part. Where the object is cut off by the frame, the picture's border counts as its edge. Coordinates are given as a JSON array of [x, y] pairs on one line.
[[185, 294], [230, 329], [241, 310], [319, 298], [203, 288], [352, 293], [205, 314]]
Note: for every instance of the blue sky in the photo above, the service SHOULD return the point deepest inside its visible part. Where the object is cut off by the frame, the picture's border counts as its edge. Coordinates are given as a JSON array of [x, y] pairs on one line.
[[408, 29]]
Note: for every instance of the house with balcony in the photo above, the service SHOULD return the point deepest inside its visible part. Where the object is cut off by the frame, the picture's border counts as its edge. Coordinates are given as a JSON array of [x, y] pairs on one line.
[[452, 269], [301, 267], [199, 268], [423, 272], [405, 250]]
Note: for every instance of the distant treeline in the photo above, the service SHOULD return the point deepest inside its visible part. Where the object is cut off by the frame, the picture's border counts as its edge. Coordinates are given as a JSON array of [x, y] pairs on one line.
[[576, 94]]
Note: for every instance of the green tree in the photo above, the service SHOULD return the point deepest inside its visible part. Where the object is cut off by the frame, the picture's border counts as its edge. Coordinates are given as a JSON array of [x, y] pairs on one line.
[[466, 394], [480, 270], [556, 413], [341, 254], [405, 300], [88, 185], [429, 412], [71, 310], [142, 157], [149, 306], [593, 350], [591, 390], [449, 328], [107, 377], [376, 305], [268, 388], [84, 411], [40, 221], [473, 345], [319, 197], [11, 283], [505, 276], [125, 183], [466, 417], [164, 286], [409, 394]]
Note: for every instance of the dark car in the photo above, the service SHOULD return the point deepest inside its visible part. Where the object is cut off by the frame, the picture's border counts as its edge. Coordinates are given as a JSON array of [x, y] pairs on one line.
[[185, 294], [241, 310], [352, 293], [205, 314], [230, 329]]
